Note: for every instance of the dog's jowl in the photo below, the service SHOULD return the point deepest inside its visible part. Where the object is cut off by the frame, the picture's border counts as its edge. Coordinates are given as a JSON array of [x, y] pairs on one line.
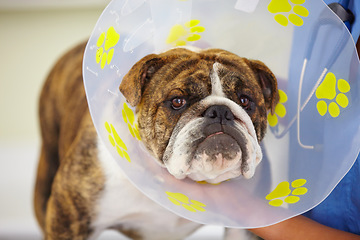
[[201, 114]]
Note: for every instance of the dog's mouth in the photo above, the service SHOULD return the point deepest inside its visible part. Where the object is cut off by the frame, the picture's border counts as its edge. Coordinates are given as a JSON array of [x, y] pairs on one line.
[[214, 134], [214, 150], [235, 132], [220, 155]]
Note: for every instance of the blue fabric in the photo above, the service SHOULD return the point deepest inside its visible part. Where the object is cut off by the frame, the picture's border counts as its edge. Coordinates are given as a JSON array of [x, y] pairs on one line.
[[354, 6], [341, 209]]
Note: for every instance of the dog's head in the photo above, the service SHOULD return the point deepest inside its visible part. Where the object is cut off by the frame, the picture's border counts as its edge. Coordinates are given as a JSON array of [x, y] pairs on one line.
[[202, 113]]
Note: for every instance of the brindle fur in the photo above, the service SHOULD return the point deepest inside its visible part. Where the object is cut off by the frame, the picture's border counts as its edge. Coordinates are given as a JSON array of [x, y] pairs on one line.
[[68, 157], [190, 77], [70, 178]]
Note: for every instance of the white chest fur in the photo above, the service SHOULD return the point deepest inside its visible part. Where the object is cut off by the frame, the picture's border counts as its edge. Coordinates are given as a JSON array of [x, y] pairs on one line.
[[121, 204]]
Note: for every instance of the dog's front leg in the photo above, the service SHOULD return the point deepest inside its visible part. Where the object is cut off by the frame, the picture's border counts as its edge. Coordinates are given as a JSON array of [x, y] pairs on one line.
[[70, 212], [77, 186], [64, 221]]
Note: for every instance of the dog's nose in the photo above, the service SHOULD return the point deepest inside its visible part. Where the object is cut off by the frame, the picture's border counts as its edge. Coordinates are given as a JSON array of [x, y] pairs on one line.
[[219, 113]]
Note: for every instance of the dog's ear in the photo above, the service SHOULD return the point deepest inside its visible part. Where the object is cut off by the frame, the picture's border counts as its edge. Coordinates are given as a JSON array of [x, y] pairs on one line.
[[268, 83], [133, 83]]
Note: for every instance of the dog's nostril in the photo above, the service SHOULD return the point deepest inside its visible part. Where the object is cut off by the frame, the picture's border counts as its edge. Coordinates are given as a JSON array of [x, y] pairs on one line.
[[220, 112], [229, 115], [211, 114]]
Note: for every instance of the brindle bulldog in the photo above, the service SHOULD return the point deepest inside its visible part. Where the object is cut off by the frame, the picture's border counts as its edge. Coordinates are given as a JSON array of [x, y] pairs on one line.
[[201, 113]]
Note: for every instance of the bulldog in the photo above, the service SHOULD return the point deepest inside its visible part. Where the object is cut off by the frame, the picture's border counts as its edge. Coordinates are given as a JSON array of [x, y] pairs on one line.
[[201, 114]]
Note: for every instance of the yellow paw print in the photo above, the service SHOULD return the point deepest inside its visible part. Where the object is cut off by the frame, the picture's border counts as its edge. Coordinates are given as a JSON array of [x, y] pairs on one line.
[[180, 199], [116, 141], [280, 110], [280, 7], [129, 119], [205, 182], [281, 193], [105, 53], [327, 90], [181, 34]]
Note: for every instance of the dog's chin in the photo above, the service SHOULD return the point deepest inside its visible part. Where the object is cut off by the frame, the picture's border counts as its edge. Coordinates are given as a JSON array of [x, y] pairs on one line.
[[218, 158]]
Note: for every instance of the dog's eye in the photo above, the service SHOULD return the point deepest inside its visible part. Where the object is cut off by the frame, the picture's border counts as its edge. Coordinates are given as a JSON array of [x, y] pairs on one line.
[[178, 102], [245, 102]]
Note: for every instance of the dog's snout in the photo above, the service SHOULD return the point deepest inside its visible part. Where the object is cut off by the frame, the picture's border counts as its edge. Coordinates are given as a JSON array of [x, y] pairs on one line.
[[219, 113]]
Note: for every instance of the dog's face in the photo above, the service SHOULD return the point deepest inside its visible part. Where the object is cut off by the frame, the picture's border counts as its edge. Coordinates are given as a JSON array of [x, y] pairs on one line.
[[202, 113]]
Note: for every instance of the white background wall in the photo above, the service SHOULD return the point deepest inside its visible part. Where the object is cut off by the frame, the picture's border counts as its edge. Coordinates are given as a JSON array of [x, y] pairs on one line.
[[32, 37], [33, 34]]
